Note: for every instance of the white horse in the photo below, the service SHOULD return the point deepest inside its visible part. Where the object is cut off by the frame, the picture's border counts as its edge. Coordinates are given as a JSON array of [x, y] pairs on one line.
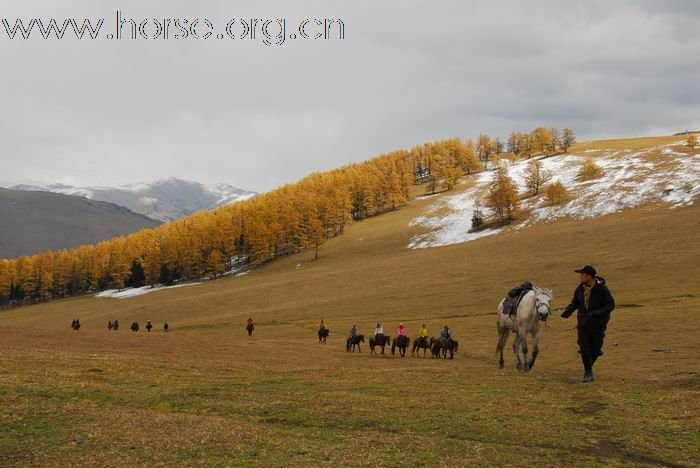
[[533, 310]]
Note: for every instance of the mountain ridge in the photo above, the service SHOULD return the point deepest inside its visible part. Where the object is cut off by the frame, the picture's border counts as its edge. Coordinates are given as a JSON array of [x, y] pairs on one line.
[[162, 200], [33, 221]]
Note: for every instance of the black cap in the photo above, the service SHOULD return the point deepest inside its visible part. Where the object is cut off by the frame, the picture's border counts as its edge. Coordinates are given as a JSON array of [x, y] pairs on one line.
[[587, 269]]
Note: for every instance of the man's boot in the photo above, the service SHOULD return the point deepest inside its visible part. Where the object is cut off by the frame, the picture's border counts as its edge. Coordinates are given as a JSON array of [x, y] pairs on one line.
[[587, 367]]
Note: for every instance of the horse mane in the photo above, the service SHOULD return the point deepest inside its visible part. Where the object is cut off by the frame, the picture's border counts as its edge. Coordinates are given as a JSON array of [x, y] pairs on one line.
[[546, 291]]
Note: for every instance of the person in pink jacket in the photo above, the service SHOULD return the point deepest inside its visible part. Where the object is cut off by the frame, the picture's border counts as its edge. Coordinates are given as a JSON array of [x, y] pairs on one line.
[[402, 330]]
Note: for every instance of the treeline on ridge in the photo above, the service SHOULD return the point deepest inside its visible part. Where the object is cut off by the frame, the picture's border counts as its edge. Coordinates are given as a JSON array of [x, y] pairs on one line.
[[284, 221]]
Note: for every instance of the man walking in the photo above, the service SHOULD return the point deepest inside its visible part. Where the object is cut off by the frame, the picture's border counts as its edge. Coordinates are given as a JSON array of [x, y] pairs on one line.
[[594, 303]]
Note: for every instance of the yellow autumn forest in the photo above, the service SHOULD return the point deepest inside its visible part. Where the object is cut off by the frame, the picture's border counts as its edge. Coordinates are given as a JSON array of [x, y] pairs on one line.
[[284, 221]]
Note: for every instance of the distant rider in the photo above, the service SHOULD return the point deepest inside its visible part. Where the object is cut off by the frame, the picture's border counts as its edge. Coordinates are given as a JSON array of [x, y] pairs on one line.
[[423, 334], [445, 335], [379, 333], [353, 331], [402, 330]]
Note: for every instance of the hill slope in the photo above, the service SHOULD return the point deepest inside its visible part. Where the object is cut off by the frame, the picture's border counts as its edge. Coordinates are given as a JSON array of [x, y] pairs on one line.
[[33, 222], [281, 399], [162, 200]]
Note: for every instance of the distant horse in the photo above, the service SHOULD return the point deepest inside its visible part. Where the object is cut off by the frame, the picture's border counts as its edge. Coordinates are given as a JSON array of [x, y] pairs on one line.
[[450, 347], [533, 310], [116, 325], [421, 343], [249, 328], [382, 342], [323, 335], [400, 342], [135, 327], [110, 325], [354, 341], [436, 347]]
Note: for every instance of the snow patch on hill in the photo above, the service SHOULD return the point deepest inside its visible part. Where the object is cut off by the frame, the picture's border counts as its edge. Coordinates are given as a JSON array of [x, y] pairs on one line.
[[133, 292], [630, 179]]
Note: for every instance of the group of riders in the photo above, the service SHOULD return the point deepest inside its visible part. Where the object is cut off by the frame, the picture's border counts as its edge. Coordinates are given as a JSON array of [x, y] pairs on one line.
[[135, 327], [424, 341], [114, 326], [423, 337]]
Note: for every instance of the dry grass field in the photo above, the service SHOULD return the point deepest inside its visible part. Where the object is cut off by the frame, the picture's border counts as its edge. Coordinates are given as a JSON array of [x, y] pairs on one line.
[[206, 394]]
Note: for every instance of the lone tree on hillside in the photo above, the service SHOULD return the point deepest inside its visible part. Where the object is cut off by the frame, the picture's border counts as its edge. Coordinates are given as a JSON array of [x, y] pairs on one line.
[[536, 176], [589, 169], [567, 139], [556, 193], [503, 196], [692, 141], [477, 216]]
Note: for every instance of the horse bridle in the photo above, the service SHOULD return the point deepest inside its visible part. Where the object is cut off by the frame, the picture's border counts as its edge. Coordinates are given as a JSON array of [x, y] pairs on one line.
[[538, 304]]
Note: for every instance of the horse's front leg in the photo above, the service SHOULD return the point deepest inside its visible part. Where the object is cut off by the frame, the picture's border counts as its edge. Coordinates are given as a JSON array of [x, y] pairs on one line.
[[526, 364], [535, 348], [502, 339], [516, 352]]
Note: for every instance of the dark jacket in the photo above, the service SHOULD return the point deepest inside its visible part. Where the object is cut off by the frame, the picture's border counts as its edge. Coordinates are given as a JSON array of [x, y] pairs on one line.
[[600, 305]]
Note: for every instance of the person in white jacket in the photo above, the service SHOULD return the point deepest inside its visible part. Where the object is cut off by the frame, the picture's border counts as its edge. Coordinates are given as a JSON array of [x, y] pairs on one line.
[[379, 332]]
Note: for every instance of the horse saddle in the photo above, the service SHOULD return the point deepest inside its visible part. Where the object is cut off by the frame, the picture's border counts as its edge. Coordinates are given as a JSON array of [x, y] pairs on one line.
[[514, 296]]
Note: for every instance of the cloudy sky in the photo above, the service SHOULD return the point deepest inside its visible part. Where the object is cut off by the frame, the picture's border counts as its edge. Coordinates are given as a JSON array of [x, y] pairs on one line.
[[237, 111]]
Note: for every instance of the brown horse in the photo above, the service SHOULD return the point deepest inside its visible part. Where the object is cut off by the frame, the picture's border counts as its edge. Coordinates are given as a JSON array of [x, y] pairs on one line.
[[354, 341], [400, 342], [420, 343], [382, 342], [435, 347], [323, 335], [450, 347]]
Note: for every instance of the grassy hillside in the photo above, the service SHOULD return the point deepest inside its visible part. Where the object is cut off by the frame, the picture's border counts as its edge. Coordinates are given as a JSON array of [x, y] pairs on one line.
[[206, 394]]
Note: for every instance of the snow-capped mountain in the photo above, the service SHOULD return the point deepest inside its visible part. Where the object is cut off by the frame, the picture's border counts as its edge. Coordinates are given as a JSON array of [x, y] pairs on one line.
[[161, 200]]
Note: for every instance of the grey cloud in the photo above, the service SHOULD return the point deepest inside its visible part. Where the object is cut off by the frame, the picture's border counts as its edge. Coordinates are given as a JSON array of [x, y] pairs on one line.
[[408, 72]]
